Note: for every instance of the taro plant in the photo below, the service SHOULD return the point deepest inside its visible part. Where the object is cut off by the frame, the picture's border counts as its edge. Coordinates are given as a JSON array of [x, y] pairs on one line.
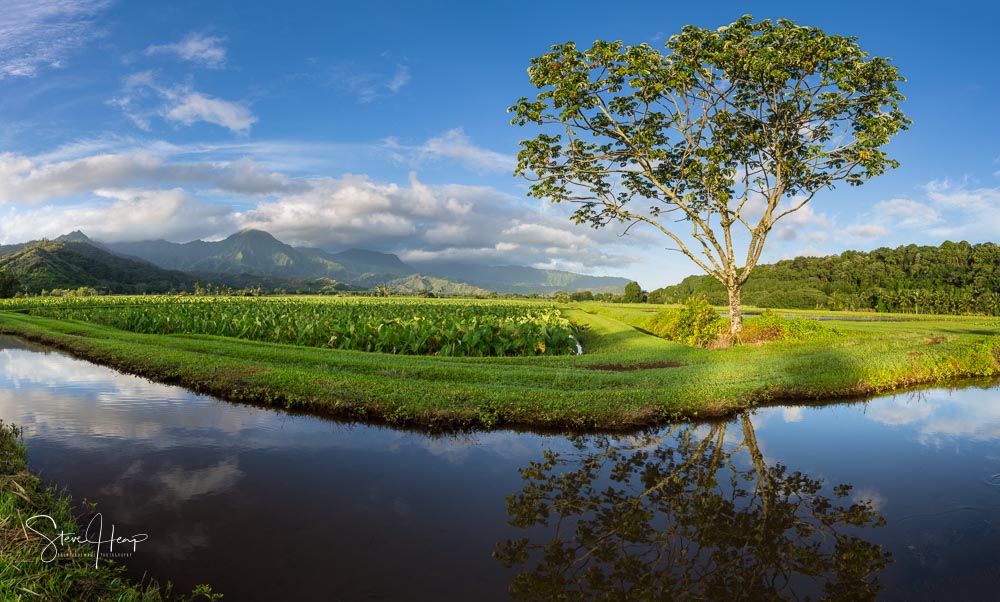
[[384, 325]]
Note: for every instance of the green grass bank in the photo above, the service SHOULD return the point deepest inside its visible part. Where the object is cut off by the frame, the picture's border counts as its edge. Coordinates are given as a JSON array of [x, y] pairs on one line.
[[24, 573], [625, 379]]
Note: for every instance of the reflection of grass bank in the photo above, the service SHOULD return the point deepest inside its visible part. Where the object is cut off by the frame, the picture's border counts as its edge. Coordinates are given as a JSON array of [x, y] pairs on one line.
[[23, 573], [865, 358]]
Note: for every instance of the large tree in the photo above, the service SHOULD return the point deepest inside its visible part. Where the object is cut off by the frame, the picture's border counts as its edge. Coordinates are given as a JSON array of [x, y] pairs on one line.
[[712, 141]]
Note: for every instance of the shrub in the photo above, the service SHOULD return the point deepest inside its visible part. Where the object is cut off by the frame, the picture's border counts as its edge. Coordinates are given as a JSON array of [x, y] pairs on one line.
[[696, 323], [769, 326]]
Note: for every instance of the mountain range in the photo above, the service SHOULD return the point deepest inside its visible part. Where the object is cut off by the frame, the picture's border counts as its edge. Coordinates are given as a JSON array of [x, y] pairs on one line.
[[256, 258], [71, 264]]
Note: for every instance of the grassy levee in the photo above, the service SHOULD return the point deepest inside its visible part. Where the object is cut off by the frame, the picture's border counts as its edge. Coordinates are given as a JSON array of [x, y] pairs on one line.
[[625, 379], [25, 574]]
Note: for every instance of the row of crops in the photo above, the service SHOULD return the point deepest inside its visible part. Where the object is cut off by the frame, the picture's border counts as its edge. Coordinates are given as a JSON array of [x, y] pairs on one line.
[[410, 326]]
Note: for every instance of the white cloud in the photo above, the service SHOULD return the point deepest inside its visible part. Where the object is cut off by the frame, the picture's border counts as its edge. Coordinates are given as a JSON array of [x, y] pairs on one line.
[[499, 253], [286, 156], [806, 216], [121, 189], [400, 79], [793, 413], [950, 195], [136, 88], [27, 180], [243, 176], [948, 210], [540, 235], [39, 33], [908, 213], [143, 98], [189, 107], [871, 496], [448, 235], [421, 221], [351, 210], [123, 215], [13, 166], [196, 48], [428, 223], [365, 83], [86, 147], [141, 79], [940, 417], [178, 485], [864, 232], [798, 225], [971, 213], [453, 145], [127, 105]]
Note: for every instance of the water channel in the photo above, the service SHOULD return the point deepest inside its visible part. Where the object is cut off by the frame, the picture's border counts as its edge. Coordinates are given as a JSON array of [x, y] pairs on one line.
[[267, 505]]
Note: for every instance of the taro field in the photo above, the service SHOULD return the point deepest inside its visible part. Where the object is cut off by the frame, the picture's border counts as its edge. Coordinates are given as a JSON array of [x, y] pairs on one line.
[[387, 325]]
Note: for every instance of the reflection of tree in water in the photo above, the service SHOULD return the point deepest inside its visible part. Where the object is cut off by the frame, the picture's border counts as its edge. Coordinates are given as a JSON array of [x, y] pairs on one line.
[[675, 517]]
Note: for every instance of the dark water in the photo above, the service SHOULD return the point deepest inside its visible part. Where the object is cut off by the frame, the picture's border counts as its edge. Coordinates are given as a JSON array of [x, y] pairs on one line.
[[265, 505]]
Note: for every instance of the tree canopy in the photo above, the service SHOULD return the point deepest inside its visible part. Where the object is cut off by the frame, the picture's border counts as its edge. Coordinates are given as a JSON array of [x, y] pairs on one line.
[[10, 285], [712, 141], [633, 293]]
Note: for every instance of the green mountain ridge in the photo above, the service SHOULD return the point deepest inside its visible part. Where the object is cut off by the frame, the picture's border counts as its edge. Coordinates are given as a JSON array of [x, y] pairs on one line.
[[71, 264], [73, 261], [418, 284], [371, 262], [259, 253], [254, 258], [246, 252]]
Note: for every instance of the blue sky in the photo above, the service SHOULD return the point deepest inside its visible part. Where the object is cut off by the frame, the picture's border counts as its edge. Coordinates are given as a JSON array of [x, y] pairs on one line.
[[383, 125]]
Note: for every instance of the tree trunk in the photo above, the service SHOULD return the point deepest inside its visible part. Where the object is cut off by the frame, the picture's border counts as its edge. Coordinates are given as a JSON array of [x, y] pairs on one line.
[[735, 310]]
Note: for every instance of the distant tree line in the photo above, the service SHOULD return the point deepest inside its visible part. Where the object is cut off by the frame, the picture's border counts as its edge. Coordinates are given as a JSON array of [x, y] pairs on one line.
[[633, 294], [953, 278]]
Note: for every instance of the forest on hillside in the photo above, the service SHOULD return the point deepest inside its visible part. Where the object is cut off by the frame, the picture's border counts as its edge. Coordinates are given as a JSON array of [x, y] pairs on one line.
[[953, 278]]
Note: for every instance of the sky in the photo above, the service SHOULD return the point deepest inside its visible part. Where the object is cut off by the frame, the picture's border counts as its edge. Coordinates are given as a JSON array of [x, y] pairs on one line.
[[383, 125]]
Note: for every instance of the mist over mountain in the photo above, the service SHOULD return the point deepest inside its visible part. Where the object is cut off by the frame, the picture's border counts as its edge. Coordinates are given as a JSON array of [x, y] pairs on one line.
[[259, 253], [521, 279]]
